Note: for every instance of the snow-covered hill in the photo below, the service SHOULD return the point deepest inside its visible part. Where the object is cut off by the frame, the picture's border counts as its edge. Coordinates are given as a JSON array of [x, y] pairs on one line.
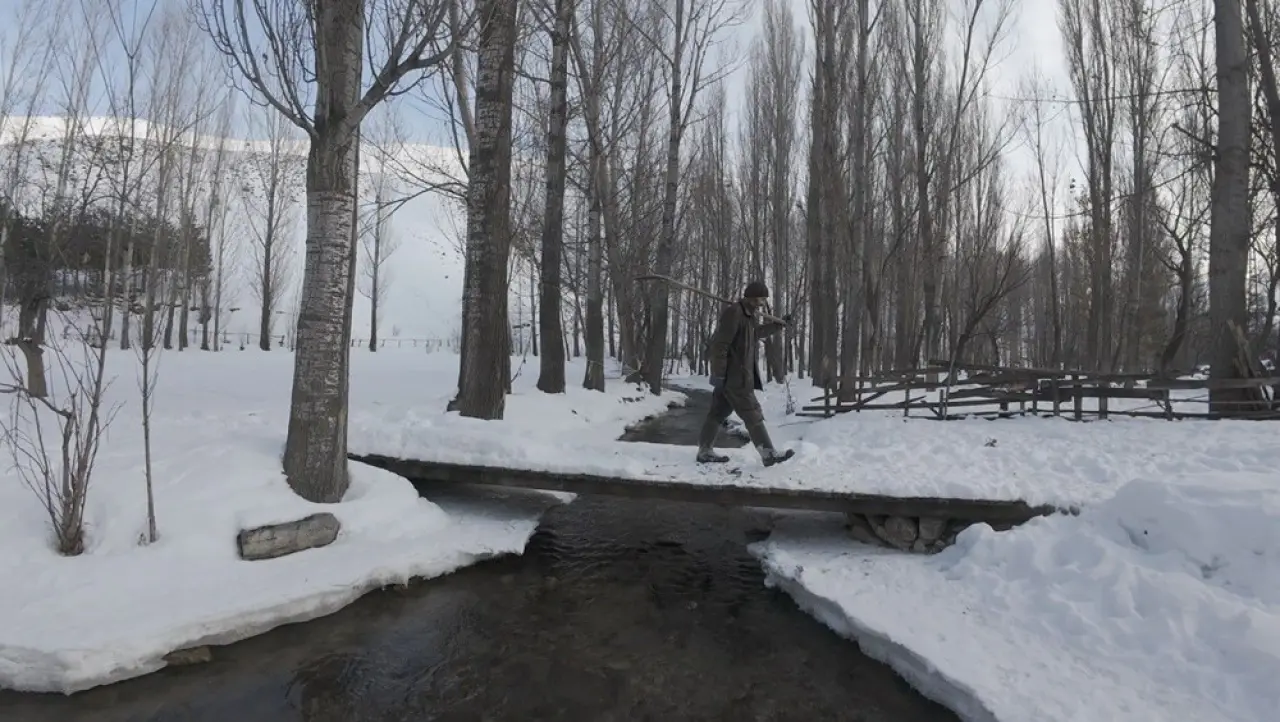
[[423, 297]]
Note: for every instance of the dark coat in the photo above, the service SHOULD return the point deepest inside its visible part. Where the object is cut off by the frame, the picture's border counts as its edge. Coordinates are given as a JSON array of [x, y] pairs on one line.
[[733, 347]]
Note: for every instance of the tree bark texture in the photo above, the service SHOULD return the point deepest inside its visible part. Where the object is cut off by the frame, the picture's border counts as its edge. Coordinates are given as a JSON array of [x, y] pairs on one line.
[[660, 293], [551, 363], [1230, 218], [596, 187], [483, 376], [315, 456]]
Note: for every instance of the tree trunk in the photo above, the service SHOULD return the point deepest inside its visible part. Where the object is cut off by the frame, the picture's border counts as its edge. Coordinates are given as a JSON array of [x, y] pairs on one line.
[[931, 270], [373, 309], [169, 324], [577, 303], [315, 454], [1271, 92], [813, 216], [533, 313], [483, 376], [551, 363], [596, 187], [1229, 214], [126, 295], [611, 334], [859, 242], [184, 318], [268, 283], [660, 293], [204, 317], [375, 287]]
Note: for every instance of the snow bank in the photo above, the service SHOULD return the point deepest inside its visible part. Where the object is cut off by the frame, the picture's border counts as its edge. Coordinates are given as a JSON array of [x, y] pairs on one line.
[[67, 624], [1162, 603], [1037, 460], [573, 431]]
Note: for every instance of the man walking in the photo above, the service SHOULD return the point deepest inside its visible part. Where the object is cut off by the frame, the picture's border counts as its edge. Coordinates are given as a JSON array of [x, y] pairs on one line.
[[735, 376]]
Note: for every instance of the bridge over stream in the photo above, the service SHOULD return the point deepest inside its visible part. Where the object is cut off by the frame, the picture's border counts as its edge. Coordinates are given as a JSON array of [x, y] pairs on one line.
[[913, 523]]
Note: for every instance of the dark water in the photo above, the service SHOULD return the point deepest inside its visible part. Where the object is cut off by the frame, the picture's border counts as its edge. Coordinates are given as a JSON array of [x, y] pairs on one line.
[[619, 610]]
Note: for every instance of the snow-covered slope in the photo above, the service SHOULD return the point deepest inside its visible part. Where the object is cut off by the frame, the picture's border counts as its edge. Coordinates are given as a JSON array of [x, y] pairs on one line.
[[423, 297]]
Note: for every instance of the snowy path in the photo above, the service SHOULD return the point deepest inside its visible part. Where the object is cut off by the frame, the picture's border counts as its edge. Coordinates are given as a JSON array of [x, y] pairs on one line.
[[1039, 461]]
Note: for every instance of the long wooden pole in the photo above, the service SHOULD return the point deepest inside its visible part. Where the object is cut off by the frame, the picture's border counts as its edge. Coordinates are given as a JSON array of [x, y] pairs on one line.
[[699, 291]]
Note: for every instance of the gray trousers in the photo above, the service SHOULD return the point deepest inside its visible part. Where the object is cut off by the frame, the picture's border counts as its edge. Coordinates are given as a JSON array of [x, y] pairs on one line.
[[743, 402]]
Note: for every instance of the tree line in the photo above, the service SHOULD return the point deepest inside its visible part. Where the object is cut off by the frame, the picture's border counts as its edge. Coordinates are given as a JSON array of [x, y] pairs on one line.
[[889, 214], [869, 177]]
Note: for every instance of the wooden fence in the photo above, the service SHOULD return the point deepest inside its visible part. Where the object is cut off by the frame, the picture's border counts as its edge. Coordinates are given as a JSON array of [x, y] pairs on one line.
[[946, 391]]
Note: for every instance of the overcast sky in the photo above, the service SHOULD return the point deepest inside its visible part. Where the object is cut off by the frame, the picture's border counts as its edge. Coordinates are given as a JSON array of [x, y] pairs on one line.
[[424, 294], [1033, 40]]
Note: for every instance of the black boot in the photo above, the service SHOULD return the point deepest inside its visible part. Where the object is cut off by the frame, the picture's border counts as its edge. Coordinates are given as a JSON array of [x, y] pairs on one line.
[[764, 445], [709, 456], [771, 457]]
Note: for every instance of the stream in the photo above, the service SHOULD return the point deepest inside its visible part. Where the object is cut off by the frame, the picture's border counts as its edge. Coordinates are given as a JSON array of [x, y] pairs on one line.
[[619, 610]]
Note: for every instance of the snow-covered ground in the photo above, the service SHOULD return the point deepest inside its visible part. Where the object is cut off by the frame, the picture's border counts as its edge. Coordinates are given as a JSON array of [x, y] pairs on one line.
[[1161, 604], [578, 429], [219, 423], [1037, 460]]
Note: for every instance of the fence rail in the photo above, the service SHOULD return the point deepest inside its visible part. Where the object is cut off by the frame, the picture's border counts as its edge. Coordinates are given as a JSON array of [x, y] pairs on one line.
[[939, 392]]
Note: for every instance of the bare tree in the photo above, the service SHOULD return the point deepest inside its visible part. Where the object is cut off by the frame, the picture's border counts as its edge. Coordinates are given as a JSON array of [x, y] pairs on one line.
[[213, 283], [1089, 28], [377, 243], [1263, 45], [58, 471], [694, 29], [269, 190], [1184, 219], [22, 90], [287, 53], [31, 259], [857, 256], [483, 374], [1141, 320], [204, 166], [1229, 227], [551, 362], [990, 265], [137, 149], [769, 143], [177, 108], [1048, 149], [825, 209], [607, 110], [172, 61]]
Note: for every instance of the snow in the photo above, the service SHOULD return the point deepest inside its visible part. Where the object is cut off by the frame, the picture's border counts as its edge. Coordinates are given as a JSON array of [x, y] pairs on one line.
[[577, 430], [426, 224], [67, 624], [1161, 603], [1052, 461]]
